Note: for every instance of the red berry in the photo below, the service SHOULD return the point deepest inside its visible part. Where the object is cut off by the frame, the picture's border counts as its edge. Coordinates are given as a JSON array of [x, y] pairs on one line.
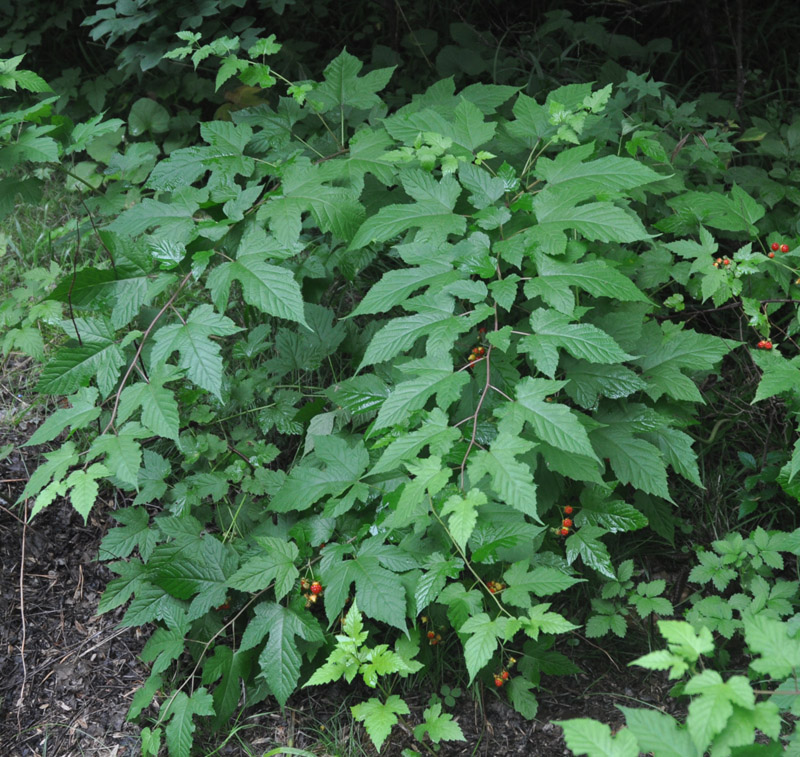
[[770, 254], [784, 248], [431, 634], [316, 587], [768, 345], [568, 509], [481, 330], [504, 675], [564, 531], [498, 681], [775, 247], [566, 522], [726, 262]]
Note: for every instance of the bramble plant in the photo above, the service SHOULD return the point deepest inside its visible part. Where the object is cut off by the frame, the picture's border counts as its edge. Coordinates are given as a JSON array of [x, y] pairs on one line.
[[422, 359]]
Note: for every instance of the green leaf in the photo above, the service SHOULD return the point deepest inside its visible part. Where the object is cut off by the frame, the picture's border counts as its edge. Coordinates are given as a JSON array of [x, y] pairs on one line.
[[659, 733], [463, 512], [541, 581], [134, 532], [273, 290], [277, 564], [180, 710], [343, 86], [482, 641], [231, 668], [123, 454], [551, 422], [512, 480], [439, 726], [395, 287], [199, 356], [158, 404], [595, 276], [540, 620], [432, 211], [613, 515], [224, 154], [778, 650], [588, 737], [73, 366], [83, 488], [307, 483], [596, 221], [552, 330], [147, 115], [434, 375], [81, 413], [779, 376], [379, 717], [522, 698], [435, 432], [585, 543]]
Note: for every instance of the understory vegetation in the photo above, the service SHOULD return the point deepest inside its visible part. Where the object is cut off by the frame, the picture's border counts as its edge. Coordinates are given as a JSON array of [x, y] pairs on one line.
[[413, 348]]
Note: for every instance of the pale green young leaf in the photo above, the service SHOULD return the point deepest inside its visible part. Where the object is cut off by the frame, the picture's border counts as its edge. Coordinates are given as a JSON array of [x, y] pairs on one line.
[[588, 737], [58, 462], [779, 652], [180, 710], [780, 376], [379, 717]]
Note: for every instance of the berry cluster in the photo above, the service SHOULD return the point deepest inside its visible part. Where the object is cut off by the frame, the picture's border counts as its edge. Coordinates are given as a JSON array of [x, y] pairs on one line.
[[311, 590], [721, 262], [782, 247], [566, 523], [500, 678], [495, 586], [764, 344], [434, 638], [476, 354]]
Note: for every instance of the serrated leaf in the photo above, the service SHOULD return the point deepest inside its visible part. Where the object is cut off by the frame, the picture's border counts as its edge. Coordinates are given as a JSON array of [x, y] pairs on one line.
[[180, 711], [379, 717], [585, 543], [659, 733], [343, 86], [479, 647], [463, 512], [395, 287], [273, 290], [540, 581], [158, 404], [74, 366], [512, 480], [83, 488], [588, 737], [277, 563], [199, 356], [123, 454], [82, 412], [439, 726]]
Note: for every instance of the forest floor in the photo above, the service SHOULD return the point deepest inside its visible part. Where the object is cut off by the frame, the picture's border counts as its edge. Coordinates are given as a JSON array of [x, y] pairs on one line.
[[67, 676]]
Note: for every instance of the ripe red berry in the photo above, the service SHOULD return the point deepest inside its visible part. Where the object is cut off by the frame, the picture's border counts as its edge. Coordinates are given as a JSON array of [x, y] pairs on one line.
[[504, 675], [498, 681], [770, 254], [567, 522], [768, 345], [431, 634], [316, 587], [564, 531], [775, 247], [568, 509], [726, 262], [784, 248]]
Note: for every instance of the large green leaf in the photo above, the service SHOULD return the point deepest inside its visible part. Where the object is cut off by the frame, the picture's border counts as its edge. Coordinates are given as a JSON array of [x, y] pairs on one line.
[[199, 356], [180, 710], [343, 86]]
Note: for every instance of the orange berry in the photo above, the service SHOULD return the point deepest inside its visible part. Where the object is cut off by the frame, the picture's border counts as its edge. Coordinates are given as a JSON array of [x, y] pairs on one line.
[[567, 522], [431, 635], [564, 531], [770, 254], [568, 509]]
